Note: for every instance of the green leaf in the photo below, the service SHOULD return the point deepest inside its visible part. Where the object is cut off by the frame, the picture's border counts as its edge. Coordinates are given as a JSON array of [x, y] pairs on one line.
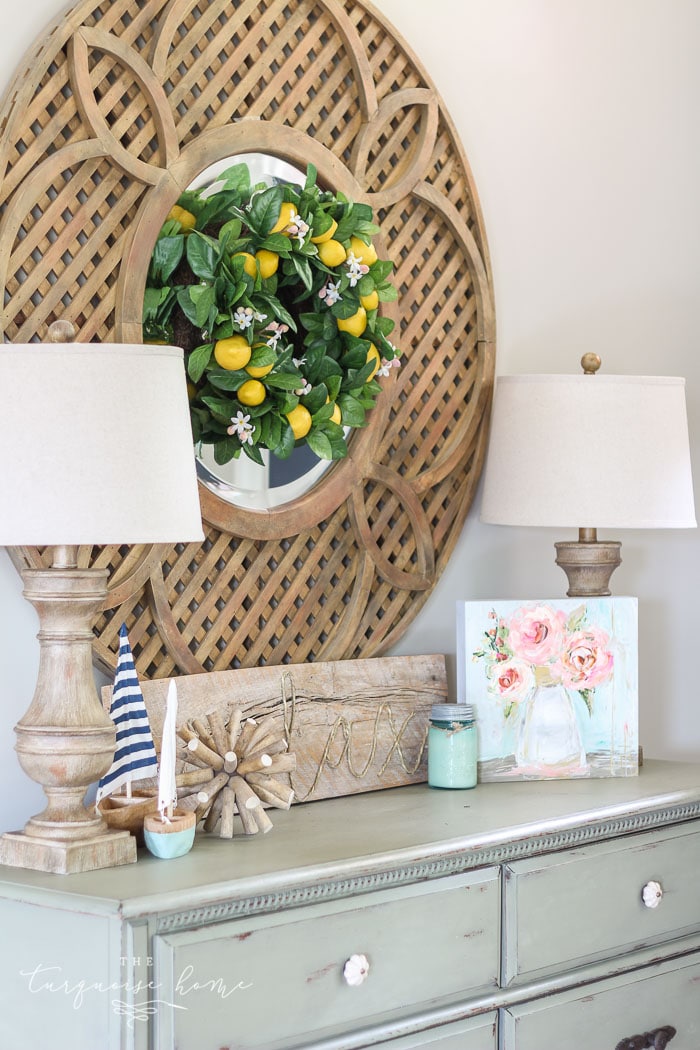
[[198, 360], [380, 270], [337, 439], [236, 178], [284, 449], [387, 293], [303, 269], [274, 430], [345, 308], [330, 328], [319, 443], [230, 231], [167, 253], [333, 383], [355, 358], [311, 176], [312, 322], [324, 413], [153, 300], [187, 305], [261, 356], [277, 309], [281, 381], [385, 325], [277, 242], [202, 296], [252, 452], [316, 399], [264, 210], [322, 222], [365, 229], [224, 379], [219, 409], [202, 256], [351, 410], [327, 367]]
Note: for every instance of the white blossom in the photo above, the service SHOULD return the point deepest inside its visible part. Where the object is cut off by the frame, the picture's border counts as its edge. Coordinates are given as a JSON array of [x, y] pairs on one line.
[[296, 227], [242, 428], [243, 317], [386, 366], [278, 330], [330, 293], [356, 269]]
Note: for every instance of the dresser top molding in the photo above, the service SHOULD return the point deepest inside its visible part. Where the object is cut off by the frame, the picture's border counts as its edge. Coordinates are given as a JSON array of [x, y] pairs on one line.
[[337, 847]]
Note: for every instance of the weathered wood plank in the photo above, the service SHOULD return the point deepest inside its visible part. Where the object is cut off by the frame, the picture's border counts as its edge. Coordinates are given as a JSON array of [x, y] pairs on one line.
[[354, 725]]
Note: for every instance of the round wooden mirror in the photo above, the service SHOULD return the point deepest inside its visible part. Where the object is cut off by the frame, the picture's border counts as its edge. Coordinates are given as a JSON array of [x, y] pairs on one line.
[[107, 121]]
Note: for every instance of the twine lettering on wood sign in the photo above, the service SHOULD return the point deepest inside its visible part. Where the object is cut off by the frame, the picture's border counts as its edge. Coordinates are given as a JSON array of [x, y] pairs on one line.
[[345, 727]]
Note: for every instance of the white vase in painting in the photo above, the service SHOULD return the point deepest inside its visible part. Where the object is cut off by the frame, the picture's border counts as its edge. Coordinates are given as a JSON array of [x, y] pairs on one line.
[[549, 738]]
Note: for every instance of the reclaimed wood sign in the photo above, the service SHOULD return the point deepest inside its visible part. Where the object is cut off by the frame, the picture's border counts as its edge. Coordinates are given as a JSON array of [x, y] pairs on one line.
[[353, 725]]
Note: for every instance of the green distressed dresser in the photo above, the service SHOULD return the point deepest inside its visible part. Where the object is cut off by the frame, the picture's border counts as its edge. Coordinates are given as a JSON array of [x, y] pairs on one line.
[[520, 917]]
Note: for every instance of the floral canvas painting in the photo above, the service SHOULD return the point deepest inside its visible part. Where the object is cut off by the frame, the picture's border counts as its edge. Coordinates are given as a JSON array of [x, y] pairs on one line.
[[554, 684]]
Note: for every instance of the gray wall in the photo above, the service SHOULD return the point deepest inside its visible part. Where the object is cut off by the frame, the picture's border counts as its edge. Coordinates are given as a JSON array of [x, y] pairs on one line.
[[579, 120]]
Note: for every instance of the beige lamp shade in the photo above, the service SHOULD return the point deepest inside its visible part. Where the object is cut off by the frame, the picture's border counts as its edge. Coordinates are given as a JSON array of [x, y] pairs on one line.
[[588, 451], [95, 446]]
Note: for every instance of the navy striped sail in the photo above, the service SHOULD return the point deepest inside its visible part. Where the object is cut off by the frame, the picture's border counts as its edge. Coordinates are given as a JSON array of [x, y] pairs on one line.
[[135, 753]]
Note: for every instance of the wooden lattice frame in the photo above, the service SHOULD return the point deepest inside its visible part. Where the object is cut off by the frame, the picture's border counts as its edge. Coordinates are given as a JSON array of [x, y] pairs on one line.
[[112, 112]]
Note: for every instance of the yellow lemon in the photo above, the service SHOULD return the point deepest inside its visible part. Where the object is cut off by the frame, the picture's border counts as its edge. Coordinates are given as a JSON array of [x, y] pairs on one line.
[[373, 354], [299, 420], [323, 237], [251, 393], [371, 301], [356, 324], [365, 252], [336, 417], [332, 253], [267, 261], [186, 219], [232, 353], [249, 264], [191, 390], [258, 371], [284, 218]]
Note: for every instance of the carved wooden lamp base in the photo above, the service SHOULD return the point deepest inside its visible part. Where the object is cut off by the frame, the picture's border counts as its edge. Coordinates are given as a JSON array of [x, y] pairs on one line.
[[65, 741], [588, 564]]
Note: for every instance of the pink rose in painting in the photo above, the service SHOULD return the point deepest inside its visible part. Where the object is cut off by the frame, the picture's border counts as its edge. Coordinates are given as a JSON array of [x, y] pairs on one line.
[[511, 680], [537, 634], [586, 661]]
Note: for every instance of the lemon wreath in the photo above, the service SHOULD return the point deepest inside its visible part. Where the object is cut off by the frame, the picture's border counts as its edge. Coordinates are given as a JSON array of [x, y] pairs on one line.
[[274, 293]]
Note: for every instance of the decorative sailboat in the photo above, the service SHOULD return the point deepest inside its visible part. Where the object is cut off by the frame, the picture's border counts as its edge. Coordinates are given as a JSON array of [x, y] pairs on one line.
[[135, 758], [169, 832]]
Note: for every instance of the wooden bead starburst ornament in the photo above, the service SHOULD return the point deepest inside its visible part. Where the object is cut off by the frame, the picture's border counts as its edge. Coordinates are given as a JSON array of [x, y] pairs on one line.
[[235, 770]]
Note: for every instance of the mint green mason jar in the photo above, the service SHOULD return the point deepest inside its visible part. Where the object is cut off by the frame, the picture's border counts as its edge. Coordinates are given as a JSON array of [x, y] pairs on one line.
[[452, 746]]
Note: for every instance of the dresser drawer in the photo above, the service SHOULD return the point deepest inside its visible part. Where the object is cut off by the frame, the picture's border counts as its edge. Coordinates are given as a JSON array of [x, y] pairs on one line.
[[478, 1033], [601, 1015], [280, 980], [586, 905]]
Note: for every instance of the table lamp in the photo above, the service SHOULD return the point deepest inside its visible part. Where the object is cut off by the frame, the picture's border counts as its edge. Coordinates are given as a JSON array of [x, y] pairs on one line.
[[589, 451], [95, 448]]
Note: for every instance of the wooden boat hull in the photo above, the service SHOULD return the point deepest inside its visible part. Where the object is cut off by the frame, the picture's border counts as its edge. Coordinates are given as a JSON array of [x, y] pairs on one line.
[[125, 814]]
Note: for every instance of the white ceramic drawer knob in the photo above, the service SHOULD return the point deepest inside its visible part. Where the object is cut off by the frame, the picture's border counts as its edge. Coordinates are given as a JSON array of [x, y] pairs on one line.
[[356, 970], [652, 894]]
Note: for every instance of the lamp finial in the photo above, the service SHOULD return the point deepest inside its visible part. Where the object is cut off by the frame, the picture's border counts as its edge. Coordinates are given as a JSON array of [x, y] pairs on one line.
[[590, 363], [61, 332]]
